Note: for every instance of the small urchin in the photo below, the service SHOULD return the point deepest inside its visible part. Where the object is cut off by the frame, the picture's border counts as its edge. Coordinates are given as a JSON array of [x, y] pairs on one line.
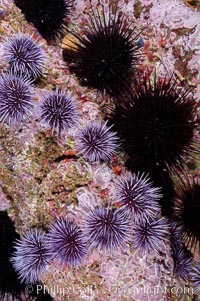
[[58, 111], [96, 142], [187, 212], [66, 243], [156, 122], [137, 196], [182, 263], [107, 229], [16, 99], [24, 56], [48, 16], [149, 236], [176, 235], [106, 54], [31, 256]]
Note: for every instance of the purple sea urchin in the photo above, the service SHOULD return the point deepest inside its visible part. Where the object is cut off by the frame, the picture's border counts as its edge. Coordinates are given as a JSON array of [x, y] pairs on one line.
[[149, 235], [195, 277], [96, 142], [107, 229], [187, 212], [24, 56], [106, 55], [176, 232], [58, 111], [156, 124], [182, 263], [31, 256], [48, 16], [138, 197], [11, 288], [16, 96], [66, 243]]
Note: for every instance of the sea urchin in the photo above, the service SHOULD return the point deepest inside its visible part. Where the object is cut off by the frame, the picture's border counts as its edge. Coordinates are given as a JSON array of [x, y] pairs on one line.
[[107, 229], [31, 256], [48, 16], [149, 236], [65, 242], [58, 111], [156, 124], [105, 56], [182, 263], [24, 56], [195, 277], [96, 142], [16, 96], [137, 196], [187, 212]]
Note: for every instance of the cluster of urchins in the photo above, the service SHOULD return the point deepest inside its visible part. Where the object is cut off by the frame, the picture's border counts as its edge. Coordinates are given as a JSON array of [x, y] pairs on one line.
[[154, 122], [138, 221]]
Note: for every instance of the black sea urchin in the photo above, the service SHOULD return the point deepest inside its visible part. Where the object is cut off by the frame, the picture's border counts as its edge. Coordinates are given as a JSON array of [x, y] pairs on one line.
[[58, 111], [107, 229], [66, 243], [106, 55], [16, 97], [96, 142], [48, 16], [30, 257], [156, 124], [24, 56], [137, 196], [187, 213]]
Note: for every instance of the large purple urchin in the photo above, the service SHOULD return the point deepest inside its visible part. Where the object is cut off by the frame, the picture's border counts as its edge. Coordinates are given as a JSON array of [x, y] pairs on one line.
[[16, 97], [96, 142], [65, 242], [138, 197], [107, 229], [149, 236], [195, 277], [58, 111], [182, 263], [24, 56], [31, 256]]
